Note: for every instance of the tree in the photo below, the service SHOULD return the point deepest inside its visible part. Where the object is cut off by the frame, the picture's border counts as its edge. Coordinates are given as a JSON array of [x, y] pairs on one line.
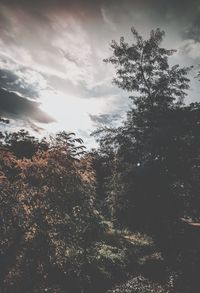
[[143, 67], [22, 144], [149, 178], [48, 218]]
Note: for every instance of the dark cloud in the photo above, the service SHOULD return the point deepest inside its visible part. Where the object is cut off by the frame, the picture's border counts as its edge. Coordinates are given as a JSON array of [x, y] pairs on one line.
[[19, 78], [52, 3], [104, 119], [41, 9], [19, 87], [10, 81], [183, 12], [16, 107], [161, 8], [193, 29]]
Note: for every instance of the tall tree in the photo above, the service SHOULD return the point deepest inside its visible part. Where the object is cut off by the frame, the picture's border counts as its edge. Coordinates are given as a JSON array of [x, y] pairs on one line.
[[143, 68], [148, 178]]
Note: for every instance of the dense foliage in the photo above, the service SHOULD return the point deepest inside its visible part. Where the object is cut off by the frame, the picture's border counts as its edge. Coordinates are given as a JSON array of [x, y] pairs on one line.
[[154, 174], [156, 150], [48, 219]]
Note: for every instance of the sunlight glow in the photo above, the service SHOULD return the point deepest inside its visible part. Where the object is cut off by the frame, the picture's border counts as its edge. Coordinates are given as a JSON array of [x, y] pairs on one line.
[[71, 113]]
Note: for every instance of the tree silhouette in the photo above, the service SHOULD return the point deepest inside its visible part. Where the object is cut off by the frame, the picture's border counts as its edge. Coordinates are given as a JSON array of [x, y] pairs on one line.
[[150, 179]]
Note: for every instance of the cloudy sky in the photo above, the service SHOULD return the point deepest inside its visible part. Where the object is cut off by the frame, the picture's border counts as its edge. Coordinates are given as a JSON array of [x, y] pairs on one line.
[[52, 76]]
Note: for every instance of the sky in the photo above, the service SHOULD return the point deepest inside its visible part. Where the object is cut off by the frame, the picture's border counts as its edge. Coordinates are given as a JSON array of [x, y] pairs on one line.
[[52, 74]]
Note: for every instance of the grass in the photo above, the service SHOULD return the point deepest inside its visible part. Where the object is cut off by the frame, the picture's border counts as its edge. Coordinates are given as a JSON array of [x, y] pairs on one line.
[[144, 267]]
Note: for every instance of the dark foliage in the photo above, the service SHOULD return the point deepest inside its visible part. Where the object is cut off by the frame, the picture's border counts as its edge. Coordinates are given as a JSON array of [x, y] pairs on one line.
[[154, 178]]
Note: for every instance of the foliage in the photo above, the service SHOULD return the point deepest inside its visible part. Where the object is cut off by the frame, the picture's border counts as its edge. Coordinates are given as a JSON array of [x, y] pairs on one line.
[[150, 172], [143, 67], [22, 144], [48, 215], [140, 285]]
